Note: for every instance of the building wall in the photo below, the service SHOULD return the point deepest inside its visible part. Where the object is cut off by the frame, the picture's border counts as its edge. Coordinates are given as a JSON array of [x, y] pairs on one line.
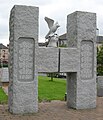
[[4, 55]]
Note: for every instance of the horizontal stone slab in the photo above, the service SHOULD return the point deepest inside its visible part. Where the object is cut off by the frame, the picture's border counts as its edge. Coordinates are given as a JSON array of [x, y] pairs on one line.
[[47, 59], [69, 60]]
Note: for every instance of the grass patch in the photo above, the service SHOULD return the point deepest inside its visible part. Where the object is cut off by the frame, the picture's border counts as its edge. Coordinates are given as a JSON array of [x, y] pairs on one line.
[[47, 90], [51, 90], [3, 97]]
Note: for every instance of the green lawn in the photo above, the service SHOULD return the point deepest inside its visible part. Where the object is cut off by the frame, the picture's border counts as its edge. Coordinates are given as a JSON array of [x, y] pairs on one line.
[[51, 90], [47, 90], [3, 97]]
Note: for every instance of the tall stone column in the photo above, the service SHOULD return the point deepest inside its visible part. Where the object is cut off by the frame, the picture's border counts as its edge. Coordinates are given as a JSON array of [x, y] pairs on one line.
[[81, 84], [23, 87]]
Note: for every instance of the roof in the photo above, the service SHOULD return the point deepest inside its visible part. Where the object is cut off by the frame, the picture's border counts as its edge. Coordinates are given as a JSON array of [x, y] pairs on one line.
[[3, 46], [62, 37], [99, 38], [42, 44]]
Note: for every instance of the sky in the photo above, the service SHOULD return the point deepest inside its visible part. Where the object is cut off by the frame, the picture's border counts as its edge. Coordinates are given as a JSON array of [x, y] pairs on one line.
[[54, 9]]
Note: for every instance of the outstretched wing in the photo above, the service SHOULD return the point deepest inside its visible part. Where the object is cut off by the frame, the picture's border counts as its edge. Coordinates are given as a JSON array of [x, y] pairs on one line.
[[49, 21]]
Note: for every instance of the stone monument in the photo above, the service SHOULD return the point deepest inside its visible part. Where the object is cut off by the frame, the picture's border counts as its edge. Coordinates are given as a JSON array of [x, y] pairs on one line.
[[27, 59]]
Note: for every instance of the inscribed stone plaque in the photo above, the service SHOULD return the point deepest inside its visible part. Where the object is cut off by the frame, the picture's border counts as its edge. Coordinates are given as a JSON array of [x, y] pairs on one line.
[[87, 61], [25, 59]]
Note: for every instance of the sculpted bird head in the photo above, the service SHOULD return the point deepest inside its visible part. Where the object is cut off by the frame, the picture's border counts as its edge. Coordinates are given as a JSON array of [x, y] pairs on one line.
[[57, 25]]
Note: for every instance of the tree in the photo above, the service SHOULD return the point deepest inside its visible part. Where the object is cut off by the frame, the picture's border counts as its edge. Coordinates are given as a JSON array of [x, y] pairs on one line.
[[100, 60], [52, 75]]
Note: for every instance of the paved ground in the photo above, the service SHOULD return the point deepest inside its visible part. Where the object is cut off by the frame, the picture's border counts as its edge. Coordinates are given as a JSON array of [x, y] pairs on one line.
[[56, 110]]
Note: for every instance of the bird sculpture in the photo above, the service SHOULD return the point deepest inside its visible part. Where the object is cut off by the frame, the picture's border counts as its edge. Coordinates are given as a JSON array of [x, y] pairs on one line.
[[53, 27]]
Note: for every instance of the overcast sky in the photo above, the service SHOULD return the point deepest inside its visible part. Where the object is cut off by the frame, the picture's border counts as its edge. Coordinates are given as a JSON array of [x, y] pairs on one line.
[[55, 9]]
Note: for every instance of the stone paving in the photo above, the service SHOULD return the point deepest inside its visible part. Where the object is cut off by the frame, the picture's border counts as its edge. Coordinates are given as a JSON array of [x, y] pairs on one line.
[[56, 110]]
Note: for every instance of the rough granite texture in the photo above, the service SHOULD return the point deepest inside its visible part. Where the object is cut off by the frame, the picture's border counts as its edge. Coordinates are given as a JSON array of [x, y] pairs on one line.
[[69, 60], [81, 34], [100, 86], [47, 59], [23, 88], [71, 89]]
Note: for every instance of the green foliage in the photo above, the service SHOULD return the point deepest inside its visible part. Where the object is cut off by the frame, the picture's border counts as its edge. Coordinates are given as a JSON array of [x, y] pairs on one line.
[[48, 90], [3, 97], [100, 70], [100, 60]]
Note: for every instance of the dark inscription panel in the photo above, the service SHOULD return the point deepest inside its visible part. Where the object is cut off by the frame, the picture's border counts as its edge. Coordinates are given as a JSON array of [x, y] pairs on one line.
[[86, 59], [26, 59]]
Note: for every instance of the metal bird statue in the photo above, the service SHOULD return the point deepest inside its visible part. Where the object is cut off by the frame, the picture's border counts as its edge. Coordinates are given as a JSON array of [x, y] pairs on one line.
[[53, 27]]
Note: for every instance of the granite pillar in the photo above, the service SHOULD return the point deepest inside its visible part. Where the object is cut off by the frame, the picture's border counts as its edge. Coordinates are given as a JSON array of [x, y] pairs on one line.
[[23, 87]]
